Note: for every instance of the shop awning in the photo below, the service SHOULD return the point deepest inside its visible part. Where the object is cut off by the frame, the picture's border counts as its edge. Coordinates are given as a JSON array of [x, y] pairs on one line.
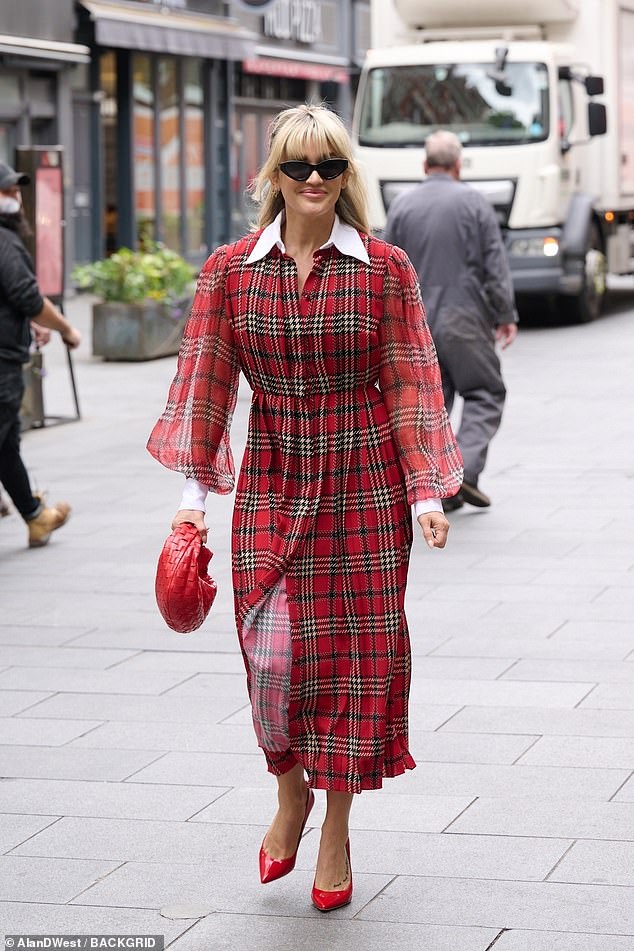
[[44, 49], [158, 30]]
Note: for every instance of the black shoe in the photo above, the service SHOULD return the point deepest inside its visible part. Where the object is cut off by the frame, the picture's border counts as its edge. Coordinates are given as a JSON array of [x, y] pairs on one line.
[[453, 503], [472, 494]]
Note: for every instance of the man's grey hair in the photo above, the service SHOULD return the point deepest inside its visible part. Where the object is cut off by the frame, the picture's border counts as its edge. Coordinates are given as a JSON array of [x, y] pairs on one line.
[[442, 149]]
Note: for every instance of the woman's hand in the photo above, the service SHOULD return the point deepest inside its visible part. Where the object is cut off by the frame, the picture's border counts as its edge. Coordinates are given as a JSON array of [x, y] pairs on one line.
[[195, 517], [435, 528]]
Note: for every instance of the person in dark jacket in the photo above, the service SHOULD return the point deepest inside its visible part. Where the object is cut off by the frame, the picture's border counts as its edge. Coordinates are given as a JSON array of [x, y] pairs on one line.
[[451, 235], [20, 303]]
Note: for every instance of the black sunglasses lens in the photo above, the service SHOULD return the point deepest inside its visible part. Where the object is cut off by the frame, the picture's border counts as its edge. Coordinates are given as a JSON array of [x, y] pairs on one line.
[[299, 171], [332, 168]]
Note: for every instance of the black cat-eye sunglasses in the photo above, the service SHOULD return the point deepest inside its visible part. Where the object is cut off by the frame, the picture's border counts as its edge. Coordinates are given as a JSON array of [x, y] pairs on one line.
[[327, 170]]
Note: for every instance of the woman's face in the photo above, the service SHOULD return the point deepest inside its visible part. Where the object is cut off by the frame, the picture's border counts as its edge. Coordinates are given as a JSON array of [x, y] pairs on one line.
[[315, 197]]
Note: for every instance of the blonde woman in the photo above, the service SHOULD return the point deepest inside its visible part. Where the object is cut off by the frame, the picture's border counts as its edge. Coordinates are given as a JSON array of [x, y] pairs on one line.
[[347, 430]]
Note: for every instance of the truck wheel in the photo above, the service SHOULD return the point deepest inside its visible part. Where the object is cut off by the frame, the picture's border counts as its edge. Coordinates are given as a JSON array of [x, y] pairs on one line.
[[587, 305]]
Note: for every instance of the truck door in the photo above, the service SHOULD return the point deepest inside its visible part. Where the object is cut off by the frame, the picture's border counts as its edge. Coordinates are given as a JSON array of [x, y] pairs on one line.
[[565, 125]]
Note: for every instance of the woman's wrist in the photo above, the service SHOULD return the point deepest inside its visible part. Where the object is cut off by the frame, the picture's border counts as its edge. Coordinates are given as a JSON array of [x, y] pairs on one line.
[[423, 506], [194, 496]]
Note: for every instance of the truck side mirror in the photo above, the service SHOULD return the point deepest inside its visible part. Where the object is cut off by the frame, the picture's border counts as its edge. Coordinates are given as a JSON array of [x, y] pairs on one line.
[[594, 85], [597, 118], [502, 88]]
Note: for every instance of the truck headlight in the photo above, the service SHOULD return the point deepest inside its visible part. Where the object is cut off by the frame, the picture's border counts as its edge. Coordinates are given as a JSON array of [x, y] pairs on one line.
[[534, 247]]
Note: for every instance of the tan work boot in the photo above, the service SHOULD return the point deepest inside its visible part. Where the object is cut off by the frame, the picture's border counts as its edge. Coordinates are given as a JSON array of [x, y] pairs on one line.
[[49, 518]]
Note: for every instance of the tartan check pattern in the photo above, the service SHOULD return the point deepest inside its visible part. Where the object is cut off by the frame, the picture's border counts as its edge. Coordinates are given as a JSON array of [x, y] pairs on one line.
[[266, 642], [347, 428]]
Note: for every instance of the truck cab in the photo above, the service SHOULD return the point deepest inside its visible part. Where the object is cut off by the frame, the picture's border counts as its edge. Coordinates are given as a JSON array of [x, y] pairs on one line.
[[525, 113]]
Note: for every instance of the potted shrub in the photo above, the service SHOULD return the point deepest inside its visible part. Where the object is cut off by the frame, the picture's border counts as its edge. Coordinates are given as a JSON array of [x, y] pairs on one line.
[[146, 297]]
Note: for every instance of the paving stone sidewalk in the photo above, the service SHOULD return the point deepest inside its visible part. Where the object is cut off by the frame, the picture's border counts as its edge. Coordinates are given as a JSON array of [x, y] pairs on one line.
[[132, 790]]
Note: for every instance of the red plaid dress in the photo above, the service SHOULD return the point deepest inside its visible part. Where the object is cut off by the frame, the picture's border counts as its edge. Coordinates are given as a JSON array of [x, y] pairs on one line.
[[347, 429]]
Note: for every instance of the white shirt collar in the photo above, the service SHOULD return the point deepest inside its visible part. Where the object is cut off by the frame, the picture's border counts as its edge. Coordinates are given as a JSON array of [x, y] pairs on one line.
[[344, 237]]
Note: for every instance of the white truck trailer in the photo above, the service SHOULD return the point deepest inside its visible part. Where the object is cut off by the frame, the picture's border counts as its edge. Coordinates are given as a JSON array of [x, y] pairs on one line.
[[526, 85]]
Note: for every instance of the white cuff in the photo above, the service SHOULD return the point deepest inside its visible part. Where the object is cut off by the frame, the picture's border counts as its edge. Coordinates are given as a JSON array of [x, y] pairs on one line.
[[427, 505], [194, 496]]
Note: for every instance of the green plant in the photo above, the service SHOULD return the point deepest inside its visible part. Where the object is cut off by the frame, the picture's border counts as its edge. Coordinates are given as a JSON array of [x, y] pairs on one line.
[[152, 273]]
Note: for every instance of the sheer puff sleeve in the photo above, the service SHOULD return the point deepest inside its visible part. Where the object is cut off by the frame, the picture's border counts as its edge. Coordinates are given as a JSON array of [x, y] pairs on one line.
[[410, 382], [192, 435]]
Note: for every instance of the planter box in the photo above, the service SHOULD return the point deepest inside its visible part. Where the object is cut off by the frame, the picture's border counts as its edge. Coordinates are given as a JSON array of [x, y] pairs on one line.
[[142, 331], [32, 408]]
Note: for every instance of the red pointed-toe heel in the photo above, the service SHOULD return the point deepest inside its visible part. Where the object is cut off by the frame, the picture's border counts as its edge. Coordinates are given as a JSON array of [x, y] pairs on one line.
[[328, 901], [270, 868]]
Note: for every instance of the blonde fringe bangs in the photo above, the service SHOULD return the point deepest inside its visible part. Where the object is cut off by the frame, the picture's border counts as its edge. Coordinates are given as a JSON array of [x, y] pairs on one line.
[[292, 132]]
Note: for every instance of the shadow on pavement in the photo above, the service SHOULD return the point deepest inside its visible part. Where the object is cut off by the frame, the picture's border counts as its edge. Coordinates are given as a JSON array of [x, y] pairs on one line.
[[539, 312]]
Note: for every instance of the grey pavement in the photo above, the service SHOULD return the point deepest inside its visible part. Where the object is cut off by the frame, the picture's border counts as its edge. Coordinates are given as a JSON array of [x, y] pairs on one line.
[[133, 797]]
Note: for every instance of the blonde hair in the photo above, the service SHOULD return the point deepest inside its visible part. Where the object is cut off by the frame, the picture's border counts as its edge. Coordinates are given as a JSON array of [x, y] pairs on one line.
[[291, 132]]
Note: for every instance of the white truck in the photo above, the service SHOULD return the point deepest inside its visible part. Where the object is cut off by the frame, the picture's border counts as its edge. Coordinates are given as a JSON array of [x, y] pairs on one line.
[[527, 86]]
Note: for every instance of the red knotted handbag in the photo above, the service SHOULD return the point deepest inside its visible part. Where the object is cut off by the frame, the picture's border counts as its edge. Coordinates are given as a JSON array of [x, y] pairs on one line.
[[184, 590]]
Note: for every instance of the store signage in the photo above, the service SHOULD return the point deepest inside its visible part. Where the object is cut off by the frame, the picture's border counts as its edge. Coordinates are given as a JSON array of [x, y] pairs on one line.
[[298, 20], [296, 69]]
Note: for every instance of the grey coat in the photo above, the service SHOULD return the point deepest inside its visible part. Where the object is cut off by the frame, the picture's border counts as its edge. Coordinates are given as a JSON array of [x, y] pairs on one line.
[[452, 237]]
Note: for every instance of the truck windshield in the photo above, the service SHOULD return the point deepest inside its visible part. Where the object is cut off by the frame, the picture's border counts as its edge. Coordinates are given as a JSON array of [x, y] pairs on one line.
[[403, 104]]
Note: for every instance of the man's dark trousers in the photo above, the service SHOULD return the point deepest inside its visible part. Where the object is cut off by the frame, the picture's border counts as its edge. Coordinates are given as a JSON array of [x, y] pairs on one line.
[[13, 475], [470, 367]]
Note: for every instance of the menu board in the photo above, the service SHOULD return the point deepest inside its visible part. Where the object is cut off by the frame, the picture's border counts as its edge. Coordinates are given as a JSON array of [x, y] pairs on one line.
[[49, 244]]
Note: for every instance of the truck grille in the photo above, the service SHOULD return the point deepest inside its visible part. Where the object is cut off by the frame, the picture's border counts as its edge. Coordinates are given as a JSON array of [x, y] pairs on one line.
[[499, 192]]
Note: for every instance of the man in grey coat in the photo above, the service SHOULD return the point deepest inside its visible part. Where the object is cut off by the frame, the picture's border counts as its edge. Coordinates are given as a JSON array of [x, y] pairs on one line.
[[451, 235]]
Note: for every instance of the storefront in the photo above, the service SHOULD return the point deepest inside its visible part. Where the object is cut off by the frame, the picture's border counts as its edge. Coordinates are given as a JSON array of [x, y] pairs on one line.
[[306, 52], [162, 106], [160, 84], [39, 67]]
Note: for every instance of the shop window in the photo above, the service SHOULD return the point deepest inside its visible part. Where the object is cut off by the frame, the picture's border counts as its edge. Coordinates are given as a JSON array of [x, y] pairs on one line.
[[271, 88], [41, 89], [108, 111], [250, 146], [43, 132], [293, 90], [9, 90], [170, 152], [194, 153], [203, 6], [7, 143], [251, 87], [144, 151], [329, 93]]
